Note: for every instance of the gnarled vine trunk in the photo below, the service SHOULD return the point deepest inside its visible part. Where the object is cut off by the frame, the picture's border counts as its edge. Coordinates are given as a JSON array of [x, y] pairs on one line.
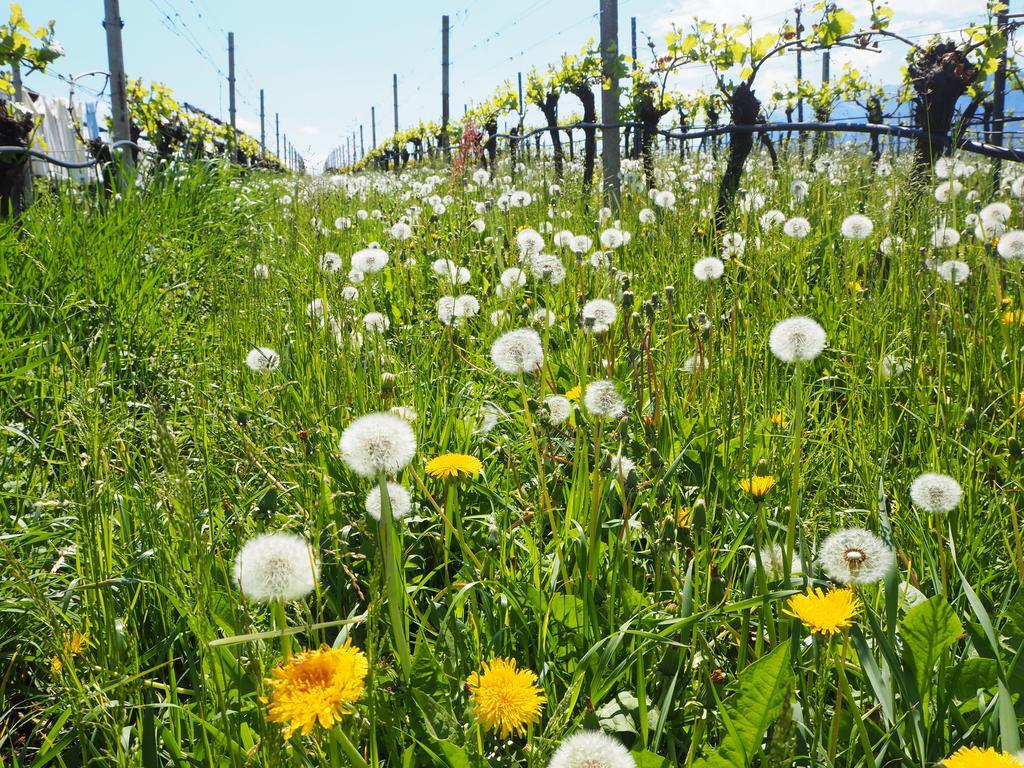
[[491, 147], [744, 109], [586, 97], [550, 110], [939, 75], [15, 170]]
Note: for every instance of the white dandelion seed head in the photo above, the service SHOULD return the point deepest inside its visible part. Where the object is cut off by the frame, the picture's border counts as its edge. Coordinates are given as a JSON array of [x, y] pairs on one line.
[[520, 199], [466, 305], [342, 222], [261, 271], [547, 268], [350, 293], [315, 309], [988, 229], [621, 466], [772, 559], [664, 199], [446, 309], [512, 278], [375, 322], [558, 409], [598, 315], [481, 176], [945, 237], [355, 276], [890, 245], [580, 244], [563, 238], [695, 364], [498, 316], [953, 271], [406, 412], [799, 189], [771, 219], [935, 493], [855, 556], [603, 400], [377, 442], [647, 216], [797, 227], [369, 260], [517, 352], [948, 190], [529, 241], [997, 211], [543, 316], [400, 231], [1011, 245], [857, 226], [612, 238], [330, 262], [591, 749], [478, 224], [398, 495], [263, 359], [893, 366], [708, 269], [797, 339], [276, 566]]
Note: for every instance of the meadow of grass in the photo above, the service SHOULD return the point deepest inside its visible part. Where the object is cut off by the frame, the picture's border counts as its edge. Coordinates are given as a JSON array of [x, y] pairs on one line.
[[634, 564]]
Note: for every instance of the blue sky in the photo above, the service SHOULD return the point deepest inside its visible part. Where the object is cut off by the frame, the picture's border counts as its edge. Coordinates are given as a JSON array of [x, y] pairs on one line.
[[323, 63]]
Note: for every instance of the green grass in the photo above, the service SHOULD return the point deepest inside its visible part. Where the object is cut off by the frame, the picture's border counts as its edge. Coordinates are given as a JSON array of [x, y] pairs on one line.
[[139, 454]]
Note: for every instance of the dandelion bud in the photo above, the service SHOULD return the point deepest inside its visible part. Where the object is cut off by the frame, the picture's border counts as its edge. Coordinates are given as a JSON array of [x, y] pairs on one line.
[[637, 321], [668, 529], [649, 309], [387, 383], [670, 293], [691, 323], [632, 481], [970, 419], [661, 494], [699, 515], [655, 460], [623, 430], [762, 469], [627, 300]]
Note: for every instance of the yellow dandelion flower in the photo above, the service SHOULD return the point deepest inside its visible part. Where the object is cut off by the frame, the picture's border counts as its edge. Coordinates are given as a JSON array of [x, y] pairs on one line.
[[976, 757], [504, 698], [757, 486], [825, 612], [855, 286], [778, 419], [454, 465], [574, 394], [74, 644], [1013, 317], [316, 686], [683, 517]]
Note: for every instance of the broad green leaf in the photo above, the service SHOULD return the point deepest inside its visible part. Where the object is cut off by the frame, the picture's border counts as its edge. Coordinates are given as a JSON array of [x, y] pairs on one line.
[[755, 706], [647, 759], [456, 756], [927, 630]]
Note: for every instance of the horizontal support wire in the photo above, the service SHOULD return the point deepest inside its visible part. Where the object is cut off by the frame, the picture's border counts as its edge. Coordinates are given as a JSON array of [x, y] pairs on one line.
[[35, 154], [968, 145], [976, 147]]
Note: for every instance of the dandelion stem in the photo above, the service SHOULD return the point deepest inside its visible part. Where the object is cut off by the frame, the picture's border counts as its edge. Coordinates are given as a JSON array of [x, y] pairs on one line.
[[356, 759], [394, 577]]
